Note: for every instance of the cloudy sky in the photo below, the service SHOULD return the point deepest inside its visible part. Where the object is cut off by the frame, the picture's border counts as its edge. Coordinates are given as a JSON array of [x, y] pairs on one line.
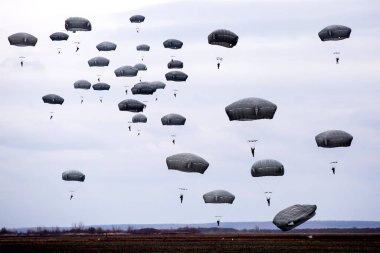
[[279, 57]]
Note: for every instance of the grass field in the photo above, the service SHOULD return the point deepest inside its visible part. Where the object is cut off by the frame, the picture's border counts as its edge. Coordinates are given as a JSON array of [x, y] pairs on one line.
[[196, 243]]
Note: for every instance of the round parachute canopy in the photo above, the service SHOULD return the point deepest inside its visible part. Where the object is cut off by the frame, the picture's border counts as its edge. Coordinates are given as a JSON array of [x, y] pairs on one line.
[[294, 216], [126, 71], [173, 120], [219, 197], [334, 32], [267, 167], [176, 76], [187, 162], [73, 175], [75, 24], [173, 44], [175, 64], [58, 36], [82, 84], [101, 86], [131, 105], [334, 139], [140, 67], [22, 40], [223, 38], [158, 85], [251, 109], [143, 47], [53, 99], [106, 46], [143, 88], [139, 118], [98, 62], [137, 19]]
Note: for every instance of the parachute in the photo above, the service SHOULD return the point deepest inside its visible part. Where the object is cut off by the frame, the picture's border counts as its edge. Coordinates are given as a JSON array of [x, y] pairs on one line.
[[73, 175], [140, 66], [334, 33], [224, 38], [139, 118], [187, 162], [143, 88], [101, 86], [58, 36], [267, 167], [176, 76], [158, 84], [173, 120], [294, 216], [75, 24], [98, 62], [137, 19], [131, 105], [126, 71], [334, 139], [106, 46], [219, 197], [53, 99], [143, 47], [251, 109], [22, 40], [175, 64], [82, 84], [173, 44]]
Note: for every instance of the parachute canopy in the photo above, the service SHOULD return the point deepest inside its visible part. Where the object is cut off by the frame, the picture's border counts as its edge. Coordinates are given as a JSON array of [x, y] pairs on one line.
[[187, 162], [173, 120], [101, 86], [334, 139], [22, 40], [173, 44], [158, 85], [98, 62], [176, 76], [224, 38], [219, 197], [106, 46], [82, 84], [131, 105], [143, 47], [53, 99], [137, 19], [334, 32], [139, 118], [143, 88], [126, 71], [175, 64], [58, 36], [294, 216], [75, 24], [251, 109], [140, 67], [267, 167], [73, 175]]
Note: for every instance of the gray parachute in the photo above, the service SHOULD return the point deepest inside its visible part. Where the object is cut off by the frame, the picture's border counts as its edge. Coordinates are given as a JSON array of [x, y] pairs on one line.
[[82, 84], [176, 76], [143, 47], [139, 118], [143, 88], [334, 32], [251, 109], [131, 105], [126, 71], [98, 62], [22, 40], [137, 19], [140, 67], [58, 36], [294, 216], [187, 162], [334, 139], [158, 84], [53, 99], [173, 120], [73, 175], [106, 46], [75, 24], [267, 167], [219, 197], [224, 38], [175, 64], [173, 44], [101, 86]]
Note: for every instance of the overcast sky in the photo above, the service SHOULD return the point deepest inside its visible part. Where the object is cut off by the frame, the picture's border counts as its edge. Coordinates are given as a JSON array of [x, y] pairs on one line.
[[279, 57]]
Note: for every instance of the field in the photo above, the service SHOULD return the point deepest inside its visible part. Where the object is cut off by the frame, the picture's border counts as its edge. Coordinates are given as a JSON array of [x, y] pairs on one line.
[[193, 243]]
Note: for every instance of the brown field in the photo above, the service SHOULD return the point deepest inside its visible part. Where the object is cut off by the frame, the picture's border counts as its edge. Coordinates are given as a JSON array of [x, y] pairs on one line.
[[192, 243]]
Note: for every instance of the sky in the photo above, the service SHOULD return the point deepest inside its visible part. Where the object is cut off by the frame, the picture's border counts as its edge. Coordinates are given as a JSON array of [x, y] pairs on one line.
[[279, 57]]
